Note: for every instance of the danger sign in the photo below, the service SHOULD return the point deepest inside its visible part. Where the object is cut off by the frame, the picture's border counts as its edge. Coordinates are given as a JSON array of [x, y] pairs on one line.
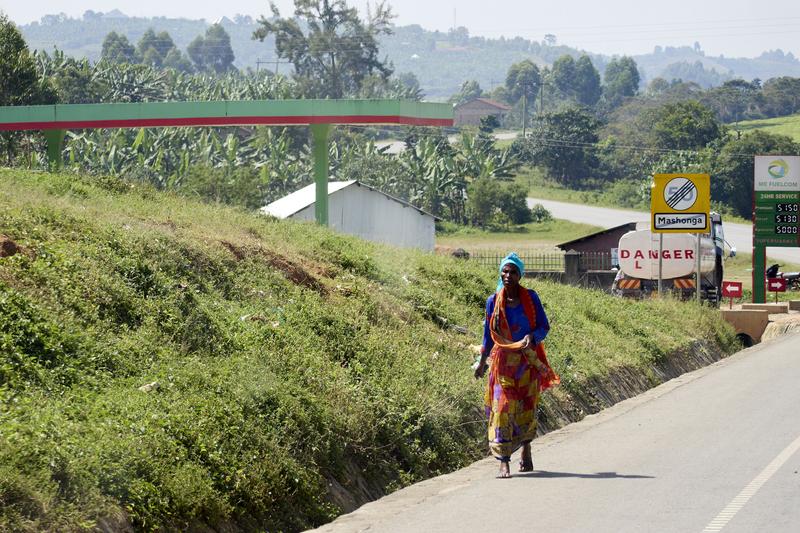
[[680, 203], [731, 289]]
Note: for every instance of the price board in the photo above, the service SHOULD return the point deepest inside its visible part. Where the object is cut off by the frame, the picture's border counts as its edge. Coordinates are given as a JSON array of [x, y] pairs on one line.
[[776, 219]]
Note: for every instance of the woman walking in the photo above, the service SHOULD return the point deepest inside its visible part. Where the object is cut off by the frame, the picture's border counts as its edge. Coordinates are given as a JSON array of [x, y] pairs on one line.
[[514, 329]]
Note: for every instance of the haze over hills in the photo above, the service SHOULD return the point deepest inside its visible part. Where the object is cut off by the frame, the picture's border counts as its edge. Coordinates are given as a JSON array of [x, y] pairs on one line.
[[442, 61]]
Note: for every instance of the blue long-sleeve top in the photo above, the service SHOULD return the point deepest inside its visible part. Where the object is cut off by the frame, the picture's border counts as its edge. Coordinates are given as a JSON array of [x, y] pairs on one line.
[[517, 321]]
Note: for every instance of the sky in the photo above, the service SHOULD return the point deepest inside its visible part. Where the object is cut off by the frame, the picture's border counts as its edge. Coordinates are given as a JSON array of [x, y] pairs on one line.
[[735, 28]]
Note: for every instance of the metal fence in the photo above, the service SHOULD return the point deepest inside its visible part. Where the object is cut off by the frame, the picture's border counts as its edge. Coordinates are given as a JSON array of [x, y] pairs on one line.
[[553, 261], [595, 261], [533, 261]]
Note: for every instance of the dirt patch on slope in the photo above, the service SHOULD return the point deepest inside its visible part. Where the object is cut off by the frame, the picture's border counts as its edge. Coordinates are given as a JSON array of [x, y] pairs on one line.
[[294, 272]]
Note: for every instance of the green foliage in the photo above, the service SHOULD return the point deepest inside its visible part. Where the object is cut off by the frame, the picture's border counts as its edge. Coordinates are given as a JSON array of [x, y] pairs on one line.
[[153, 49], [562, 142], [733, 168], [523, 80], [470, 90], [492, 202], [331, 48], [117, 49], [685, 126], [212, 52], [693, 73], [19, 83], [621, 79], [288, 360]]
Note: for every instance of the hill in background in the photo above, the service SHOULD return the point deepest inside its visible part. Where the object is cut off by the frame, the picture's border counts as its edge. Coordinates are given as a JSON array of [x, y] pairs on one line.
[[442, 61]]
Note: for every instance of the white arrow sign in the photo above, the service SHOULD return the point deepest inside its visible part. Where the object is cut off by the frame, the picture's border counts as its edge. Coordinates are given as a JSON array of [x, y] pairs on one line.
[[732, 288], [777, 285]]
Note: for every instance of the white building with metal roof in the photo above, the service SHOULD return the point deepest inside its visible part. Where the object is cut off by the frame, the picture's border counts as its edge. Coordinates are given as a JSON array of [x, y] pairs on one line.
[[358, 209]]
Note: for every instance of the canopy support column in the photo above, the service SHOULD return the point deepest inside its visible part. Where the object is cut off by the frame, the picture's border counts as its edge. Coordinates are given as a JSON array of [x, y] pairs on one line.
[[321, 133], [55, 144]]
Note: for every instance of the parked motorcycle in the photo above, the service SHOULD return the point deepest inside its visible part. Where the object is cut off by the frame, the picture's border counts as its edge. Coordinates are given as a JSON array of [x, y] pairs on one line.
[[792, 278]]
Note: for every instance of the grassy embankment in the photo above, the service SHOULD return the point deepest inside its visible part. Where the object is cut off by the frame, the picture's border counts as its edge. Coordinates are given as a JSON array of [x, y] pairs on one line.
[[298, 372], [789, 125]]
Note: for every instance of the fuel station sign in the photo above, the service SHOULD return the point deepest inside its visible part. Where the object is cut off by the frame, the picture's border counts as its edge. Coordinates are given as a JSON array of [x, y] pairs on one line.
[[776, 219], [776, 214]]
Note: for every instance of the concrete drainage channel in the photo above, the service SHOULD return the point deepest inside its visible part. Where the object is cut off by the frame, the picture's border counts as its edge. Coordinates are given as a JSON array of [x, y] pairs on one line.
[[758, 322]]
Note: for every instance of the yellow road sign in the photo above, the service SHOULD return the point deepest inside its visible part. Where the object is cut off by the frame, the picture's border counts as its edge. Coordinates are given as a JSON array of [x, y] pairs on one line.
[[680, 203]]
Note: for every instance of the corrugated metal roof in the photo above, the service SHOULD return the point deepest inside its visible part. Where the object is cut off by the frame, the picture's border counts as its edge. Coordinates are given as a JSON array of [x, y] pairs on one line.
[[299, 200]]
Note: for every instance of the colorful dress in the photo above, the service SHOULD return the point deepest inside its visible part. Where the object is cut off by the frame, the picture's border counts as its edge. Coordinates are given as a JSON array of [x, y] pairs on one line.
[[516, 376]]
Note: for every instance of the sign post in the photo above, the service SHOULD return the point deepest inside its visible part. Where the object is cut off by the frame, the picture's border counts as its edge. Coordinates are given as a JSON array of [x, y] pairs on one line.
[[776, 285], [776, 216], [731, 289], [680, 203]]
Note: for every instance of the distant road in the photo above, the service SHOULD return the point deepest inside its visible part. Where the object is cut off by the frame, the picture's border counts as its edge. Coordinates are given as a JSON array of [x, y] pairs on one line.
[[740, 235], [395, 147], [717, 449]]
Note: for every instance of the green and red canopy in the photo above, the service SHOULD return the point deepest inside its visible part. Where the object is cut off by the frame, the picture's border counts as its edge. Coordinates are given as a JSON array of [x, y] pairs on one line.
[[54, 120]]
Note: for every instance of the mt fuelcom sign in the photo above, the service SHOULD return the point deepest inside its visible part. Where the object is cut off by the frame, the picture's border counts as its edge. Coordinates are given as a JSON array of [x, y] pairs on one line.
[[776, 187]]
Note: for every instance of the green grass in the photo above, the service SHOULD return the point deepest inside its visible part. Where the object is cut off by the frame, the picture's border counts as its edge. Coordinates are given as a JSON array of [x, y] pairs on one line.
[[299, 371], [619, 195], [789, 125], [536, 236]]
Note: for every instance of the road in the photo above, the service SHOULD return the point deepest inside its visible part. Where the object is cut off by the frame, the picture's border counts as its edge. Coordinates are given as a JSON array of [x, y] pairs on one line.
[[740, 235], [713, 450], [395, 147]]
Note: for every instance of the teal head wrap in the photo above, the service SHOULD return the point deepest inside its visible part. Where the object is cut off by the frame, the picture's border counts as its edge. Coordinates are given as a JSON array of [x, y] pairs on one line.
[[510, 259]]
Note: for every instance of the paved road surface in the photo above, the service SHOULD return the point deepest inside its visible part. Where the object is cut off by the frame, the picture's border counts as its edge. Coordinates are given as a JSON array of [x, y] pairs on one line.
[[740, 235], [395, 147], [715, 449]]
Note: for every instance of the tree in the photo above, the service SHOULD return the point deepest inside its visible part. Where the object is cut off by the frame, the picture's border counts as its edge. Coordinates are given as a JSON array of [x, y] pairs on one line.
[[685, 126], [19, 82], [470, 90], [74, 81], [733, 172], [563, 73], [117, 49], [781, 96], [621, 81], [563, 143], [153, 49], [176, 60], [212, 52], [523, 80], [587, 82], [331, 48]]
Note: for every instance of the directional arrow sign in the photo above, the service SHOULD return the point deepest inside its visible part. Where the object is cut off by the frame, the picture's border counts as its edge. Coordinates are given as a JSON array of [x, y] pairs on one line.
[[776, 285], [731, 289]]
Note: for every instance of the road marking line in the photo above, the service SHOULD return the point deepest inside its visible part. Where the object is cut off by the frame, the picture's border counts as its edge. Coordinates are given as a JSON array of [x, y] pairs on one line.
[[741, 499]]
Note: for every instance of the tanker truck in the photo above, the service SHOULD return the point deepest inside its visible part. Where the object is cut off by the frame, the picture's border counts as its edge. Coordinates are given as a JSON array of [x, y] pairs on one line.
[[638, 263]]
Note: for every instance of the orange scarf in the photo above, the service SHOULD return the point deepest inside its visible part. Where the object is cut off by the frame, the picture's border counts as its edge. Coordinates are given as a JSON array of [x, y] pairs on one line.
[[501, 335]]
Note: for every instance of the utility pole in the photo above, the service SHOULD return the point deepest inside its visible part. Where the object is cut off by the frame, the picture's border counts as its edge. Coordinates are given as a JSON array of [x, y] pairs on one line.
[[524, 112], [541, 99]]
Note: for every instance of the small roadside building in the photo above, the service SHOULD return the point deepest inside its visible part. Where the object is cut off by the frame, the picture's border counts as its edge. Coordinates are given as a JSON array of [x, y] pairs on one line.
[[363, 211], [599, 249], [470, 113]]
